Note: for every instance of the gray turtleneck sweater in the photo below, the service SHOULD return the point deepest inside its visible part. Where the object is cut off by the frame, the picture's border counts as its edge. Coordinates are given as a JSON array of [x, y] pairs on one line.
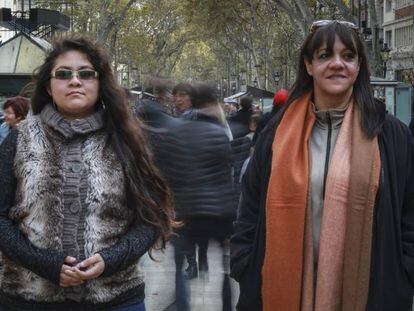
[[74, 134], [323, 139]]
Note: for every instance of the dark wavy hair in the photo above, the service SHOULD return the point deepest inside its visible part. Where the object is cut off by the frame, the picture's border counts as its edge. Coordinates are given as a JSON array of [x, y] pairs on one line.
[[185, 88], [147, 192], [372, 111]]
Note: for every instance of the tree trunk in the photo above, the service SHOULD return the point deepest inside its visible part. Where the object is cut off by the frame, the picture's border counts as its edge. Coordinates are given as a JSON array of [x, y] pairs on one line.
[[376, 58], [296, 17], [305, 11], [346, 11], [111, 19]]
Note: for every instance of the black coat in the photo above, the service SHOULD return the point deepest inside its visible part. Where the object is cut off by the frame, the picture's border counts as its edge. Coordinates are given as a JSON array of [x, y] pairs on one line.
[[241, 151], [195, 158], [392, 259], [239, 123]]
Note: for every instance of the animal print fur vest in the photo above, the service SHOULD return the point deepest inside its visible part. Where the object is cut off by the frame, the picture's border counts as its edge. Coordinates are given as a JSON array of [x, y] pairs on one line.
[[38, 210]]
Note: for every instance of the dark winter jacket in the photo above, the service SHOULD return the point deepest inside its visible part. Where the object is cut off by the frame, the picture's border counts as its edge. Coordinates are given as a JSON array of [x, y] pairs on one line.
[[195, 158], [392, 259], [239, 122], [240, 147], [31, 223]]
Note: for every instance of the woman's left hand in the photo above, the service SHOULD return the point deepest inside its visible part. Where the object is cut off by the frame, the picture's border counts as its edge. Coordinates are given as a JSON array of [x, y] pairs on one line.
[[90, 268]]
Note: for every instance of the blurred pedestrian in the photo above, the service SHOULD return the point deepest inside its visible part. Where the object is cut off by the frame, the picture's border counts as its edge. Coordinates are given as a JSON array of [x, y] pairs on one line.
[[194, 156], [81, 199], [209, 110], [254, 120], [207, 107], [326, 219], [228, 109], [15, 110], [183, 95], [241, 147], [210, 187], [161, 89], [239, 122], [253, 124]]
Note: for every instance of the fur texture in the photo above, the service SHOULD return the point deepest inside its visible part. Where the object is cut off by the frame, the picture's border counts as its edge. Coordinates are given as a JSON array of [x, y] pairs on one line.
[[39, 210]]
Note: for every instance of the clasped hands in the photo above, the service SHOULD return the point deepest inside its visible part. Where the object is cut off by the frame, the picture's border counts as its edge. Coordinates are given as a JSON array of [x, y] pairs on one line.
[[73, 273]]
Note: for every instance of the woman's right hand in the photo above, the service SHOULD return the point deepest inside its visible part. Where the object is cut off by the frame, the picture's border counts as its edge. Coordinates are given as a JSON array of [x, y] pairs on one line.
[[67, 275]]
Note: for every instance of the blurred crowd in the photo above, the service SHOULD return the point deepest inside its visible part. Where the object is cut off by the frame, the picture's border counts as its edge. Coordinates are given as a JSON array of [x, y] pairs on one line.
[[202, 148]]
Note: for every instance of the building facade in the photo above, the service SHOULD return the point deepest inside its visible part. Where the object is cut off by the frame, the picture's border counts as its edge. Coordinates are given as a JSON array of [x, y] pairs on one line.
[[14, 5], [398, 34]]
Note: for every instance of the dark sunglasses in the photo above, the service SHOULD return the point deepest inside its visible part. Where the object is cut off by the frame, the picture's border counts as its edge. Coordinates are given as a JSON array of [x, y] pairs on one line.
[[67, 74], [325, 22]]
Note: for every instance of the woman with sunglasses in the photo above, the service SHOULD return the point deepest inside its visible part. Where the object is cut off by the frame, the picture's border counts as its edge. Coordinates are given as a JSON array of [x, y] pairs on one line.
[[326, 219], [81, 199]]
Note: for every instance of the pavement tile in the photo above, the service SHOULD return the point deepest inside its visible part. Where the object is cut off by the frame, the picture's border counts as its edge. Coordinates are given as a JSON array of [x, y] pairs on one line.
[[205, 292]]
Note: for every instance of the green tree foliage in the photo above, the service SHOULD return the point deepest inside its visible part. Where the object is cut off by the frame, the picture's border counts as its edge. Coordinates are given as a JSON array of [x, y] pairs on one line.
[[215, 40]]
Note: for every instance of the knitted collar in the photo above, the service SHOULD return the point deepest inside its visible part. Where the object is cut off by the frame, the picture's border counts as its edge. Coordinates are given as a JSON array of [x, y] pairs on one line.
[[335, 116], [71, 128]]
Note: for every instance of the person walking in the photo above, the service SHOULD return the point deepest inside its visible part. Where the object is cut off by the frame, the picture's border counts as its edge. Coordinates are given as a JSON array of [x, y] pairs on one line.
[[239, 122], [15, 110], [183, 96], [195, 157], [81, 199], [215, 192], [326, 219]]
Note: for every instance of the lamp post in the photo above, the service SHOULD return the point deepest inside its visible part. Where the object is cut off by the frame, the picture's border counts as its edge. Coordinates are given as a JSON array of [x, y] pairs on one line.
[[233, 83], [257, 77], [276, 77], [255, 82], [224, 86], [385, 55], [243, 80]]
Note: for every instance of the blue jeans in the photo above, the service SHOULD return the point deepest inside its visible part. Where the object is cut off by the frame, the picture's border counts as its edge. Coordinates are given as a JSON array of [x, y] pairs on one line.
[[140, 306]]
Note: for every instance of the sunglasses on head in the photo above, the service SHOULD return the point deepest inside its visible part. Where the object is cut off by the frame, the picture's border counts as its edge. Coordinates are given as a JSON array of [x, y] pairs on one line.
[[67, 74], [325, 22]]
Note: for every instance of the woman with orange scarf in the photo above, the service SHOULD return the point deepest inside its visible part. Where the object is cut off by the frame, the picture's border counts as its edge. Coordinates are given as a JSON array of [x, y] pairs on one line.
[[326, 218]]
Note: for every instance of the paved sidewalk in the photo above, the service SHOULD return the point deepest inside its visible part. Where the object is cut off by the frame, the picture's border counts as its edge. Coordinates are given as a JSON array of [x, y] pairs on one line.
[[205, 292]]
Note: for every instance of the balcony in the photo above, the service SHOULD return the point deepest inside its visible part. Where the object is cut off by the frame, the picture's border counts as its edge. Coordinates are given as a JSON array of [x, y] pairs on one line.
[[404, 8]]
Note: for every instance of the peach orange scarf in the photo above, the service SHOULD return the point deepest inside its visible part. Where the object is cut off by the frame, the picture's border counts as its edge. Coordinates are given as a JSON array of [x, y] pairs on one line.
[[345, 241]]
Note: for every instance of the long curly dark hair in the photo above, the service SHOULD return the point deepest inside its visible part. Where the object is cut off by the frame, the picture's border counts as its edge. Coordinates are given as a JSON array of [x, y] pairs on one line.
[[147, 192]]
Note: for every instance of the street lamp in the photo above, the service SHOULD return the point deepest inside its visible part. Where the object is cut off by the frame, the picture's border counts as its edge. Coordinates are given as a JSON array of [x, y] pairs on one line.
[[224, 86], [234, 82], [276, 76], [385, 55]]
